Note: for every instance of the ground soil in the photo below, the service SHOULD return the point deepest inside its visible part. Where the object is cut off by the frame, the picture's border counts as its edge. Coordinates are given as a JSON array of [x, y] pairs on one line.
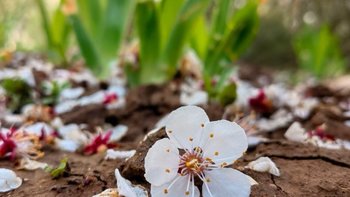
[[305, 169]]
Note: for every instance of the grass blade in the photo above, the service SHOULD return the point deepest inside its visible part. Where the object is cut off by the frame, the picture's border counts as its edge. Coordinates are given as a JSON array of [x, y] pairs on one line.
[[187, 16], [117, 16], [147, 24], [87, 48]]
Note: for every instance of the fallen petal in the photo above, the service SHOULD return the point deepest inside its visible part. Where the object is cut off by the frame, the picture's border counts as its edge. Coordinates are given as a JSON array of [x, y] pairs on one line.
[[264, 164], [9, 180], [111, 192], [28, 164], [118, 133], [126, 188], [114, 154], [296, 133]]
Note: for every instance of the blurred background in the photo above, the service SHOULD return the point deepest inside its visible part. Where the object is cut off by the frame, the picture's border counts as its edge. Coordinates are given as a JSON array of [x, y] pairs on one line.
[[308, 36]]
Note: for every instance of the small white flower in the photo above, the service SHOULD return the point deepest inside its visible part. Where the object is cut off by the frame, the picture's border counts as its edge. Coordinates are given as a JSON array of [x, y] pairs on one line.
[[264, 164], [207, 148], [9, 180]]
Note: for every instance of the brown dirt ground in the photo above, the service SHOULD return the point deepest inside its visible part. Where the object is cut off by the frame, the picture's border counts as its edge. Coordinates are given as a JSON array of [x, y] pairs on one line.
[[305, 170]]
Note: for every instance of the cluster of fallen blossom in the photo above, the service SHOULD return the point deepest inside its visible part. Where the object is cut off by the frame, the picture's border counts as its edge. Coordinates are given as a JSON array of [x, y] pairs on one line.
[[194, 149]]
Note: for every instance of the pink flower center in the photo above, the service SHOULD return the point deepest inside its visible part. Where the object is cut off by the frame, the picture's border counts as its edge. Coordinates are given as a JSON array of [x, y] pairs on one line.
[[99, 143], [319, 132], [8, 145], [110, 98], [260, 103], [193, 162]]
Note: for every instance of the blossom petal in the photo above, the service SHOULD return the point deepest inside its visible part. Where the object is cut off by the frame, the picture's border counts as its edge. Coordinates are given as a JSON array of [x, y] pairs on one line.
[[264, 164], [9, 180], [184, 124], [126, 188], [223, 142], [175, 188], [161, 162], [226, 182], [117, 154]]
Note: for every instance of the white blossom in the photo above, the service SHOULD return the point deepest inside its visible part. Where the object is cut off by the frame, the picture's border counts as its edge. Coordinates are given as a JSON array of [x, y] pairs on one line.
[[208, 147]]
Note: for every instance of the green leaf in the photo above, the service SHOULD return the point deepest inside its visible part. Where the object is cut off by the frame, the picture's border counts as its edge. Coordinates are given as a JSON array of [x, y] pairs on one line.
[[87, 48], [186, 18], [220, 17], [46, 23], [200, 37], [318, 52], [59, 170], [52, 91], [90, 12], [169, 10], [117, 16], [239, 33], [227, 94], [18, 91], [242, 29], [147, 24], [56, 30]]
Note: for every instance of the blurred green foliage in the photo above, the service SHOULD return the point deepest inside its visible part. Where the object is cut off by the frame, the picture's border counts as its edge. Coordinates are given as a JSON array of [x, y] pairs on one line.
[[220, 41], [17, 93], [163, 29], [318, 52], [60, 170], [57, 31], [99, 27], [52, 91]]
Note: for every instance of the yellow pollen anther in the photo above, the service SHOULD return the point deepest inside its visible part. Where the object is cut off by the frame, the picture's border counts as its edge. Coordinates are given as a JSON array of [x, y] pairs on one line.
[[208, 180], [223, 164], [187, 193], [167, 170], [211, 135], [216, 153], [165, 191]]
